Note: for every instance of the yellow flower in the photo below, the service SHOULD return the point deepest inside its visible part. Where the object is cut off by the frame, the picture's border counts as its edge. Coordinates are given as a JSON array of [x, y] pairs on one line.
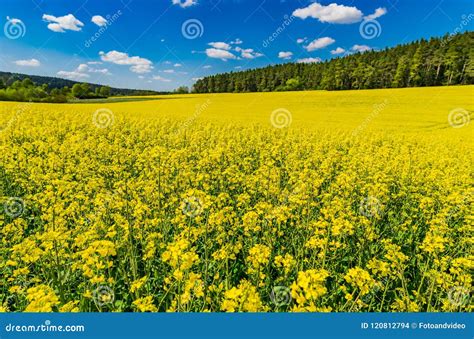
[[137, 284], [145, 304], [287, 262], [243, 298], [41, 299], [258, 258], [360, 279], [71, 306], [309, 287]]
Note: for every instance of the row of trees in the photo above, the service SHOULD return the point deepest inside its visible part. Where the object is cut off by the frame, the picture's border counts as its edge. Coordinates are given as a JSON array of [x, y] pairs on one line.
[[439, 61], [26, 90]]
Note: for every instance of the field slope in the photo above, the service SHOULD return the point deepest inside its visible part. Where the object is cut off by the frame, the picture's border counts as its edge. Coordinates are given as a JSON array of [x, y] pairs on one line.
[[298, 201]]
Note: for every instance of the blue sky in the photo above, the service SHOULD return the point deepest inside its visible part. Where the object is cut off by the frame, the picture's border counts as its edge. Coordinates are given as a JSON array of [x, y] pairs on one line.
[[162, 44]]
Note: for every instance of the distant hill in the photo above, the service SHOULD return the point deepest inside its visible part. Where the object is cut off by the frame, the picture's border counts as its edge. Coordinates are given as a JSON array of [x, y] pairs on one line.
[[447, 60], [59, 83]]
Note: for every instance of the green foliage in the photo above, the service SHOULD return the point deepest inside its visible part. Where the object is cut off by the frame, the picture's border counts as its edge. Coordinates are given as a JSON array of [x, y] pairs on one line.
[[64, 86], [440, 61], [26, 90], [104, 91], [182, 90]]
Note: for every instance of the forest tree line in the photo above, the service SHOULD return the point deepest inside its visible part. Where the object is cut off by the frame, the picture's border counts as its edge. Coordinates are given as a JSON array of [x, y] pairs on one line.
[[45, 84], [27, 90], [439, 61]]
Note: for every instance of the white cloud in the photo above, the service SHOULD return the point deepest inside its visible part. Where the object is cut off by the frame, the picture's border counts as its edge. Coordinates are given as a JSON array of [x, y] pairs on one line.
[[333, 13], [185, 3], [219, 54], [136, 63], [141, 77], [102, 71], [82, 68], [248, 53], [63, 23], [319, 43], [73, 75], [301, 40], [94, 63], [169, 71], [361, 48], [99, 20], [28, 63], [236, 42], [285, 55], [220, 45], [338, 50], [207, 66], [377, 14], [177, 65], [308, 60], [196, 79], [81, 72], [159, 78]]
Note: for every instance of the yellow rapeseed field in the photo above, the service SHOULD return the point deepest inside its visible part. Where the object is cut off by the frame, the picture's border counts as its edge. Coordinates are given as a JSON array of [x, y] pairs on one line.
[[298, 201]]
